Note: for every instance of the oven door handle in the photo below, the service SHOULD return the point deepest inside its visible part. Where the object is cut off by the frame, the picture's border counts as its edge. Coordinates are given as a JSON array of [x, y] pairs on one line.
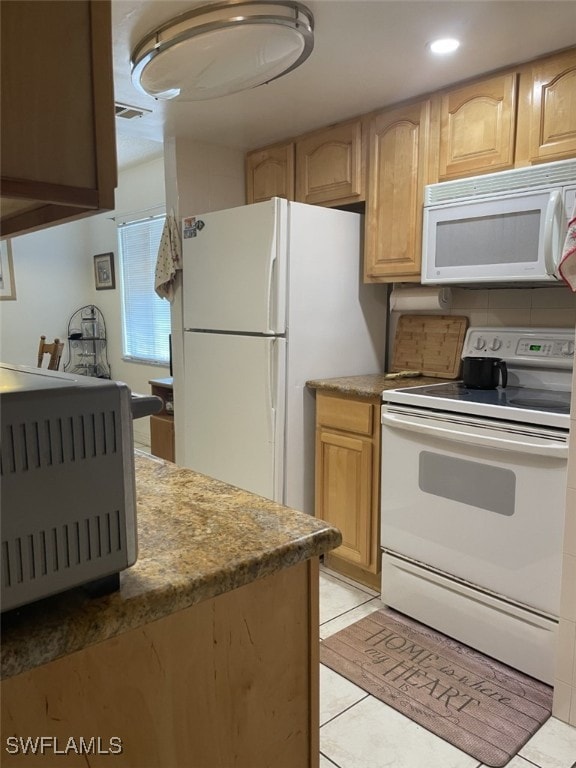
[[554, 450]]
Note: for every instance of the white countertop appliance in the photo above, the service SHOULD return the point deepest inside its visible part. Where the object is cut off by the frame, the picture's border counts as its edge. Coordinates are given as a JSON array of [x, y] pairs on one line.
[[67, 487], [505, 227], [271, 297], [473, 499]]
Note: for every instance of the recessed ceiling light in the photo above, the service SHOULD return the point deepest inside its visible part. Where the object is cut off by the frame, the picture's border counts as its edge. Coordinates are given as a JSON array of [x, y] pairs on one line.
[[444, 45]]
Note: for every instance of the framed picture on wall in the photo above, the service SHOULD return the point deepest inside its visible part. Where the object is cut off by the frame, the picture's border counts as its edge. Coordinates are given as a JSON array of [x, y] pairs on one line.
[[104, 271], [7, 284]]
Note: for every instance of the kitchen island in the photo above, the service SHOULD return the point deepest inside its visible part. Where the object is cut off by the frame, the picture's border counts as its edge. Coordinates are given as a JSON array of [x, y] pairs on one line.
[[206, 657]]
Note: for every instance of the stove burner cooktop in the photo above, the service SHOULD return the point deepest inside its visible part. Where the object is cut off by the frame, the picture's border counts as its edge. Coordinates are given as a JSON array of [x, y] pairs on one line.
[[539, 363], [541, 406], [509, 397]]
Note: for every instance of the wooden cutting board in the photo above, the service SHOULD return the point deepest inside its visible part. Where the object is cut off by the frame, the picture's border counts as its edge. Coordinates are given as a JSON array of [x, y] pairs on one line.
[[431, 344]]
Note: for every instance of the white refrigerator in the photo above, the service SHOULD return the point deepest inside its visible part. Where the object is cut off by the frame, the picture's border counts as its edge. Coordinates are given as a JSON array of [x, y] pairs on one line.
[[272, 296]]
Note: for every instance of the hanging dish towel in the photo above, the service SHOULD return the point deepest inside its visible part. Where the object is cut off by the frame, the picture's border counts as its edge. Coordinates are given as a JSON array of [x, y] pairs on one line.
[[169, 259], [567, 268]]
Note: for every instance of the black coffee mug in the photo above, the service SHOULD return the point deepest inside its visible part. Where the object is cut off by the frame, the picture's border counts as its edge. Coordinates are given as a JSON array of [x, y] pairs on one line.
[[484, 372]]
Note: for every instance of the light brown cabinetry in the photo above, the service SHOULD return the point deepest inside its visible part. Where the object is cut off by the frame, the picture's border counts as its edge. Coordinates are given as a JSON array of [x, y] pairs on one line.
[[401, 152], [513, 119], [325, 167], [162, 423], [547, 110], [510, 119], [330, 165], [478, 127], [214, 685], [270, 173], [58, 151], [347, 481]]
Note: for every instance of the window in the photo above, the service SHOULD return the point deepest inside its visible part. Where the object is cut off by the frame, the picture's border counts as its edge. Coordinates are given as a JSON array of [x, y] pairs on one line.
[[145, 316]]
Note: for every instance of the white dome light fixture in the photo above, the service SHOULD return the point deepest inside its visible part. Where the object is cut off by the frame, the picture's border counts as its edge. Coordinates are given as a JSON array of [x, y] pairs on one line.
[[223, 48], [444, 45]]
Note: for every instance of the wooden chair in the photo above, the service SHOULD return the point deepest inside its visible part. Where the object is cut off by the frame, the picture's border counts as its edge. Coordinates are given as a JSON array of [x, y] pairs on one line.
[[54, 350]]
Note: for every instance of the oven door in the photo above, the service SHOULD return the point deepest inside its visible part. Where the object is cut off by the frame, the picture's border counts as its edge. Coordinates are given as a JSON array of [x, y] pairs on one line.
[[478, 499]]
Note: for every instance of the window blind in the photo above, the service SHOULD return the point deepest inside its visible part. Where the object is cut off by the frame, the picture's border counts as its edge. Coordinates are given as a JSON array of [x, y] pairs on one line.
[[145, 316]]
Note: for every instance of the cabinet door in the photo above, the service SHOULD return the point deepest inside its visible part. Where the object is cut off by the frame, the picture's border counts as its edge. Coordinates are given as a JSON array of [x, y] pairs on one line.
[[344, 491], [270, 173], [553, 108], [58, 150], [398, 156], [162, 437], [330, 165], [478, 127]]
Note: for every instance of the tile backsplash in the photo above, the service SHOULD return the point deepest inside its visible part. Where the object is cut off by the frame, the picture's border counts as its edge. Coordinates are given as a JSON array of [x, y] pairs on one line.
[[533, 307], [553, 307]]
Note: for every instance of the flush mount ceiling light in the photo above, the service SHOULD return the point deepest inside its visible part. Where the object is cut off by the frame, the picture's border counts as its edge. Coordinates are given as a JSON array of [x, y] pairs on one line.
[[223, 48], [444, 45]]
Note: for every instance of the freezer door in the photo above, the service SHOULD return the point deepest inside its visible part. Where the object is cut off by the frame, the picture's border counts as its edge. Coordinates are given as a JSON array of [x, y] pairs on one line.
[[234, 419], [234, 269]]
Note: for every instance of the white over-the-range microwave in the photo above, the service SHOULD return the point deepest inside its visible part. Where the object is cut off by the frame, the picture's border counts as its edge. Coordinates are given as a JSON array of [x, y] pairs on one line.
[[506, 227]]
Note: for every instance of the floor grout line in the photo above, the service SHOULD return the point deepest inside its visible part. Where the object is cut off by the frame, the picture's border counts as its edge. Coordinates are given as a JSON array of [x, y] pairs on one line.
[[345, 708], [336, 765]]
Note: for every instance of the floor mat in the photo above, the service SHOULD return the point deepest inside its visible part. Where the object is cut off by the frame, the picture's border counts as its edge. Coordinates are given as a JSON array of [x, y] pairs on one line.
[[479, 705]]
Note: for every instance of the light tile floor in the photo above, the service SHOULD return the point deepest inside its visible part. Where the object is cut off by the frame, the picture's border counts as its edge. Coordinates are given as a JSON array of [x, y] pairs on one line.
[[359, 731]]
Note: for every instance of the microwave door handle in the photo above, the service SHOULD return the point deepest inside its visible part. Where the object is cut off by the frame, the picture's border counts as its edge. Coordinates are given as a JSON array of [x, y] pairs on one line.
[[554, 450], [552, 227]]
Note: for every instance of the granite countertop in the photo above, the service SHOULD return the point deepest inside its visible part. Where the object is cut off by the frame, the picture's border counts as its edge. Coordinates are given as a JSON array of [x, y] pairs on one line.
[[197, 538], [370, 385]]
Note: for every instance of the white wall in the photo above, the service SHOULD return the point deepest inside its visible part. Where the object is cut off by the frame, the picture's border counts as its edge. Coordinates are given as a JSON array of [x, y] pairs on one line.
[[139, 188], [53, 271], [53, 277], [203, 177]]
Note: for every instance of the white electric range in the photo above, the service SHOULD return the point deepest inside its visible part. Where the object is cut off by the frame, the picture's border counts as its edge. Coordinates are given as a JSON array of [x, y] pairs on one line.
[[473, 499]]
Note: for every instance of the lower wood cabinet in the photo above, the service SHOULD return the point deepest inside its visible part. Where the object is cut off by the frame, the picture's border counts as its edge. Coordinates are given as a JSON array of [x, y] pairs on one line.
[[162, 424], [231, 681], [348, 481]]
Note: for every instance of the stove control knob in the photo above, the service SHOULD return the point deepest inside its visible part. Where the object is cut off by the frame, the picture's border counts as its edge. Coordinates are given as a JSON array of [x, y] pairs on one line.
[[495, 344], [568, 348], [479, 343]]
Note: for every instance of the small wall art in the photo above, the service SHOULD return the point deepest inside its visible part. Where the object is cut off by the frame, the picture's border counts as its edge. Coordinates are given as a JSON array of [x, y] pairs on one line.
[[104, 271], [7, 284]]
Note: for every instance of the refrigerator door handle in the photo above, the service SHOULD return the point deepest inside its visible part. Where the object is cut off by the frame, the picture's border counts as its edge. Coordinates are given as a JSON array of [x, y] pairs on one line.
[[276, 409], [271, 388], [272, 294]]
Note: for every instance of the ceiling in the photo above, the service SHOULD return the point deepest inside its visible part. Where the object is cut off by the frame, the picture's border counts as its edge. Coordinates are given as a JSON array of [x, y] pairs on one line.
[[368, 54]]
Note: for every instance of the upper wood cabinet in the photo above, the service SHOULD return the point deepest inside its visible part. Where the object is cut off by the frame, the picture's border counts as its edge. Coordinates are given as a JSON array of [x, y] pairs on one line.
[[270, 173], [547, 111], [58, 150], [478, 127], [399, 155], [330, 165], [325, 167]]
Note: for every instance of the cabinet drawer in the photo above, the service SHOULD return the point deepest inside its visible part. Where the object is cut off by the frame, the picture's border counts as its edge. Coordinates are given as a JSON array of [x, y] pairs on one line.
[[348, 415]]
